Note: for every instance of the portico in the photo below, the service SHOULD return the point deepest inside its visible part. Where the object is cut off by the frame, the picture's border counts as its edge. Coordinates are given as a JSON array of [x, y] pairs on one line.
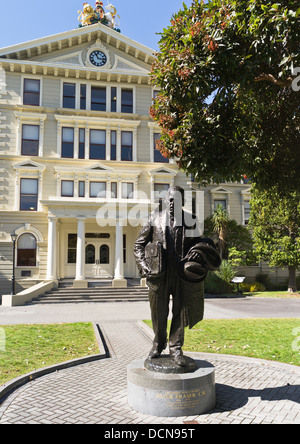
[[81, 250]]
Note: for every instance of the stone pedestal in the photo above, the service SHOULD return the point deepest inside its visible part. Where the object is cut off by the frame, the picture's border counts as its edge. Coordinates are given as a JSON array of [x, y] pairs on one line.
[[171, 394]]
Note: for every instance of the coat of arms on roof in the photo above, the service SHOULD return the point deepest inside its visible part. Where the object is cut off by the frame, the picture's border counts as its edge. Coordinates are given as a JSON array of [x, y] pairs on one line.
[[107, 16]]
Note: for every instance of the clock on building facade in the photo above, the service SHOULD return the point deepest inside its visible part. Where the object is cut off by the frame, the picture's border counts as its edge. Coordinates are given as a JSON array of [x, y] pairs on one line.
[[98, 58]]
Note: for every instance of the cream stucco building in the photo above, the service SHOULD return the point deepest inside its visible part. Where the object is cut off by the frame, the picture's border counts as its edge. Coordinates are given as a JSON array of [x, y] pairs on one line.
[[78, 167]]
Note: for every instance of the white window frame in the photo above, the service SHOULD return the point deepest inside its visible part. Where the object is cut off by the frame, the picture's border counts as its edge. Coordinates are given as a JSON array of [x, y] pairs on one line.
[[161, 175], [89, 86], [61, 188], [31, 77], [133, 189], [28, 170], [220, 193], [155, 129], [30, 119], [245, 197], [25, 177], [28, 229], [90, 123]]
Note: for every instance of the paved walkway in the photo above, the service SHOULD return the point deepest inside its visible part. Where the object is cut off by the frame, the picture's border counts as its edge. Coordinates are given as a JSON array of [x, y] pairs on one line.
[[248, 390]]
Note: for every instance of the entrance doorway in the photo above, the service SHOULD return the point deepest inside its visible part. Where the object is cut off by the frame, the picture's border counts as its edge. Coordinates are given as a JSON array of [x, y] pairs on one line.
[[98, 257]]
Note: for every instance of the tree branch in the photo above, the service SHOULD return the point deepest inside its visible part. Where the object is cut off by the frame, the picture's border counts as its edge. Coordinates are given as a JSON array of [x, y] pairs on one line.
[[272, 79]]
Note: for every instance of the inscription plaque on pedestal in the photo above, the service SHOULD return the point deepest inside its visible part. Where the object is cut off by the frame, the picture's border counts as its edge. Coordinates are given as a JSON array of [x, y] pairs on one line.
[[171, 395]]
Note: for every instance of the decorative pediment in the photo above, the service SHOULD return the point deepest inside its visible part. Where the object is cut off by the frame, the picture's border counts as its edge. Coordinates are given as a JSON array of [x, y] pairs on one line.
[[87, 57], [246, 192], [29, 165], [67, 45], [28, 228], [99, 168], [220, 190], [163, 172]]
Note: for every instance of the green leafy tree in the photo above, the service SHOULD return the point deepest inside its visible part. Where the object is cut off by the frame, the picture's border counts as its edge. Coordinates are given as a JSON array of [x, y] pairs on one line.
[[237, 244], [275, 221], [230, 91]]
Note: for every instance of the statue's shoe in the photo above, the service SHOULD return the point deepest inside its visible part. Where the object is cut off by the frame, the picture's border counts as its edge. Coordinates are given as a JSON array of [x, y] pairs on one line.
[[154, 353], [179, 359]]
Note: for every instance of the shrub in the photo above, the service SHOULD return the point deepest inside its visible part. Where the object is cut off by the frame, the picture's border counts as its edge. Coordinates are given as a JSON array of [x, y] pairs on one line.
[[226, 271], [213, 284], [245, 287], [252, 287], [257, 286]]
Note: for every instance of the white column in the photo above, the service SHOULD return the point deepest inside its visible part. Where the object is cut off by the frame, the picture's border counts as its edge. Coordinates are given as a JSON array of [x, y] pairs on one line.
[[59, 133], [19, 136], [41, 141], [134, 145], [76, 141], [108, 142], [80, 255], [119, 266], [87, 141], [119, 280], [51, 259], [119, 142]]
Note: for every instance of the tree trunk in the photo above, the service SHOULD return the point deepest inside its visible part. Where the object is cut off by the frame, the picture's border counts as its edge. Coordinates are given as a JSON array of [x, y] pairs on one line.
[[292, 280], [221, 242]]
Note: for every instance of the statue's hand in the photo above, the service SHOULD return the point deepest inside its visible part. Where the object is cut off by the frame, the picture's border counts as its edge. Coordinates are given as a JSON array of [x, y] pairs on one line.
[[195, 257], [146, 270]]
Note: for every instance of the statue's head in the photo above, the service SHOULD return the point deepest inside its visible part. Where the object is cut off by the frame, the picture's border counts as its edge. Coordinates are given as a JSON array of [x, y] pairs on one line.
[[175, 201]]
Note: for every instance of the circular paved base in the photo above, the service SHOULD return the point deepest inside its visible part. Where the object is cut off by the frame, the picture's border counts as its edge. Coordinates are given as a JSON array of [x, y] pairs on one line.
[[171, 395]]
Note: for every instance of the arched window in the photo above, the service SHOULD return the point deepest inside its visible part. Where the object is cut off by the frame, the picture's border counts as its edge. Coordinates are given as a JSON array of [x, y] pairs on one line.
[[90, 257], [104, 254], [26, 250]]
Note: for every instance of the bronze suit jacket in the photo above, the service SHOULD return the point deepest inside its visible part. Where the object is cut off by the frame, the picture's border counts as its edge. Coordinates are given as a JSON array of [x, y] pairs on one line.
[[155, 231]]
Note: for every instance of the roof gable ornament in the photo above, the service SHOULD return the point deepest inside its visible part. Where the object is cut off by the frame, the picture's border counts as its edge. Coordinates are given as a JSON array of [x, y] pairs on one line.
[[106, 16]]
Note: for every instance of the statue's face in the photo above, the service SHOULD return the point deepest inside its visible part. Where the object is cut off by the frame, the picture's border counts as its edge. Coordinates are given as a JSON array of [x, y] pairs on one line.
[[174, 203]]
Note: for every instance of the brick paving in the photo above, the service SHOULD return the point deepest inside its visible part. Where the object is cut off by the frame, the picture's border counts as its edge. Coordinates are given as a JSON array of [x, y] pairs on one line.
[[248, 390]]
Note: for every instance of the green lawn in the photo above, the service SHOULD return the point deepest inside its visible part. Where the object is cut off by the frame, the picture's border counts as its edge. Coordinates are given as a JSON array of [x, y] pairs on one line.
[[271, 339], [30, 347]]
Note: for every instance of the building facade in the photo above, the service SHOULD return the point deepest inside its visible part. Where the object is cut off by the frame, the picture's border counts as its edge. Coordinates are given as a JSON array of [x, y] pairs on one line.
[[79, 171]]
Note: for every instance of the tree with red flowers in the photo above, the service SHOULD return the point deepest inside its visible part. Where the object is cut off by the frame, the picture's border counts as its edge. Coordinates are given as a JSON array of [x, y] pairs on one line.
[[229, 80]]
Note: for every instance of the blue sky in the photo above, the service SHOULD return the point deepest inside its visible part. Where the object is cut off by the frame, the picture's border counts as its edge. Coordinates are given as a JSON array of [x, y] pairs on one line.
[[140, 20]]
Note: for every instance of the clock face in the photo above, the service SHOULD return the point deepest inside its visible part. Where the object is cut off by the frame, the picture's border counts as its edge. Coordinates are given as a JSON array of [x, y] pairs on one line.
[[98, 58]]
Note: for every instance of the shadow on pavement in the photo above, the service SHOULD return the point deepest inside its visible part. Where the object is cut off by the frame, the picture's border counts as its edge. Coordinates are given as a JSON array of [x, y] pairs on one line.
[[231, 398]]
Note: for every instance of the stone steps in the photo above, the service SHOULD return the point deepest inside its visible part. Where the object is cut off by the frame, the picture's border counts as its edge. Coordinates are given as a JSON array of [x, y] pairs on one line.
[[65, 295]]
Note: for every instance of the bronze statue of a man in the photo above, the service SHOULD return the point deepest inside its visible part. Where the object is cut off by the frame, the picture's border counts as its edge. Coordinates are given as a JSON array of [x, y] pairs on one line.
[[175, 259]]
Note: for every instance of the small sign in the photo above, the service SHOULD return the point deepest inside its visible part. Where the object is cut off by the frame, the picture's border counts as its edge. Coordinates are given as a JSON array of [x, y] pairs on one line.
[[238, 280]]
